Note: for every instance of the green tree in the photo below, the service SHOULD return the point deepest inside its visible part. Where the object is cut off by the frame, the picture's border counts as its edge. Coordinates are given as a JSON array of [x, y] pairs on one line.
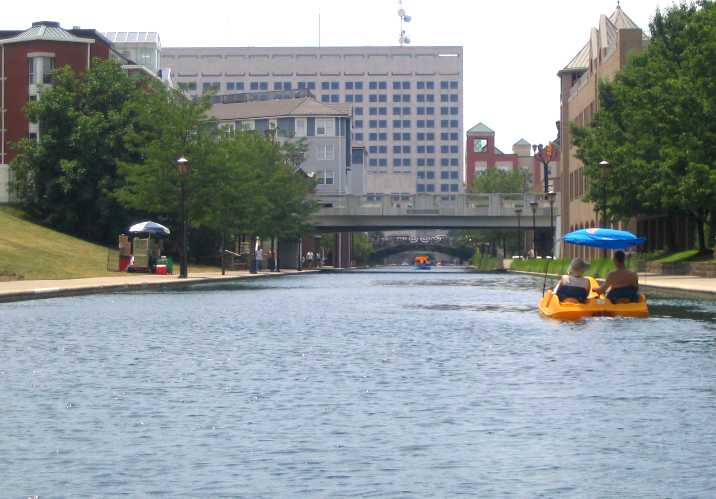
[[499, 181], [68, 178], [362, 248], [656, 124]]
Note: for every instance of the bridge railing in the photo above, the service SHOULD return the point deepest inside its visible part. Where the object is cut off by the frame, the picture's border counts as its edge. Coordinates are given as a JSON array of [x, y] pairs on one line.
[[493, 205]]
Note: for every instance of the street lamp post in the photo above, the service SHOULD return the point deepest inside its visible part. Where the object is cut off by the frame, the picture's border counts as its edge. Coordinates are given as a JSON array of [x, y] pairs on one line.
[[551, 195], [183, 172], [533, 205], [544, 154], [518, 211], [604, 165]]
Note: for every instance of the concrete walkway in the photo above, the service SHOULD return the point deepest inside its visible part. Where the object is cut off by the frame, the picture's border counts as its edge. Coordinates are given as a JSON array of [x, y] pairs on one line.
[[31, 290], [681, 285]]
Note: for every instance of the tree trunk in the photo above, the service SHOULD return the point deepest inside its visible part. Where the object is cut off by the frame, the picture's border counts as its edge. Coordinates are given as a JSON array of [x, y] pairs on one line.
[[702, 235], [277, 253], [223, 265], [252, 256]]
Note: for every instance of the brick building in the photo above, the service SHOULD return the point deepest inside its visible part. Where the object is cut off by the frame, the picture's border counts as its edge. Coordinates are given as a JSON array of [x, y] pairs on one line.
[[27, 59], [481, 154]]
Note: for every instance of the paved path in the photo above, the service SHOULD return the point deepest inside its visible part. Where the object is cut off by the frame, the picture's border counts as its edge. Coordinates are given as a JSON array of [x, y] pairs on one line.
[[30, 290], [685, 285]]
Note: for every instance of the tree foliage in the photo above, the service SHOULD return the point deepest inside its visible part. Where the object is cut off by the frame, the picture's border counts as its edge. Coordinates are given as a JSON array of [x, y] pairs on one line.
[[67, 179], [499, 181], [656, 125], [109, 146]]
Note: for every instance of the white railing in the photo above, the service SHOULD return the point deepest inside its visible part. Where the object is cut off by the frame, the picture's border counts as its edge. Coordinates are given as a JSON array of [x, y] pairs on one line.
[[458, 205]]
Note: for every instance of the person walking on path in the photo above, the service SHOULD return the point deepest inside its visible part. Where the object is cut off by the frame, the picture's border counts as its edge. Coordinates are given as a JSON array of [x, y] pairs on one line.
[[259, 258]]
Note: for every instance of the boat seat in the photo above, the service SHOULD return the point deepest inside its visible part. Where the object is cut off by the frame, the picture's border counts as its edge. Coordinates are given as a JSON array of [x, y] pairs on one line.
[[628, 294], [572, 292]]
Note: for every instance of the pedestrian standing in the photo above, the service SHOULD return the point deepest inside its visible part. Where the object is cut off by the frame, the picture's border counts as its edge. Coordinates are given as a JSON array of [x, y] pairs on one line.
[[259, 258]]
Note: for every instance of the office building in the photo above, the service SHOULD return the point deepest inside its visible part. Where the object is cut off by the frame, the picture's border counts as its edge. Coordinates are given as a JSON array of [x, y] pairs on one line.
[[406, 101], [297, 115], [606, 52]]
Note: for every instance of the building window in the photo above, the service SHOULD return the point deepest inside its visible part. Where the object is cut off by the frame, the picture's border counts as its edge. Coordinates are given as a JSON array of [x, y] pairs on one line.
[[358, 124], [325, 98], [358, 111], [326, 152], [454, 187], [277, 85], [230, 85], [406, 111], [189, 86], [444, 188], [349, 98], [430, 188], [382, 136], [480, 145], [325, 127], [406, 136], [335, 98], [300, 127], [358, 137], [453, 85], [453, 97], [349, 85], [406, 97], [430, 149], [358, 85], [406, 123], [263, 85], [325, 177], [246, 125], [420, 187]]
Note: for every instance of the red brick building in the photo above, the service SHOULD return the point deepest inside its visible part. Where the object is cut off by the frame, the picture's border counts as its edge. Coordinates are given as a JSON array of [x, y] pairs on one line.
[[481, 155], [27, 59]]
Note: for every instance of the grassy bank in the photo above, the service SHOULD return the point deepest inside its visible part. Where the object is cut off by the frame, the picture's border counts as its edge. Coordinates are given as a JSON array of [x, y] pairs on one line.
[[31, 251], [486, 263], [597, 268]]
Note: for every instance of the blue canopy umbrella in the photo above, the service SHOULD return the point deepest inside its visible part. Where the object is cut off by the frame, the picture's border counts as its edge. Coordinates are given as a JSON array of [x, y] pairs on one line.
[[603, 238], [149, 227]]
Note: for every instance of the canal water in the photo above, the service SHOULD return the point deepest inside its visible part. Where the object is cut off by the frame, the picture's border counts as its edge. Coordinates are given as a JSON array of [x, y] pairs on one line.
[[397, 383]]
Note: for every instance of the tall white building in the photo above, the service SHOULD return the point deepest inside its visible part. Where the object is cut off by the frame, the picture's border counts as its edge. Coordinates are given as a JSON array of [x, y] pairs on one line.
[[407, 101]]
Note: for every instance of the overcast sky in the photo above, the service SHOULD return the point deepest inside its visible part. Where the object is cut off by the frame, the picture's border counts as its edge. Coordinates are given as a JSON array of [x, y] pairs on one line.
[[513, 48]]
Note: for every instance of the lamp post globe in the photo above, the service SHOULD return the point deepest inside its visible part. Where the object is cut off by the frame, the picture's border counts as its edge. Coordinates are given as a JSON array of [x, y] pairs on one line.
[[182, 165]]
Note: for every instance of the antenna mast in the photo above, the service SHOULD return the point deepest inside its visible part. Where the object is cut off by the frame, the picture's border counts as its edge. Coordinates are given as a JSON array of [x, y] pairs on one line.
[[404, 18]]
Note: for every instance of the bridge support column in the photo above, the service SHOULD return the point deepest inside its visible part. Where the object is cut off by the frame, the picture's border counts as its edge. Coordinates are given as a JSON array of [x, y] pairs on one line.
[[344, 250]]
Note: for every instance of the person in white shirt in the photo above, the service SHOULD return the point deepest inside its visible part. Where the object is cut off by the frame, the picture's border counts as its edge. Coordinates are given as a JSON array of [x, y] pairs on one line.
[[574, 285]]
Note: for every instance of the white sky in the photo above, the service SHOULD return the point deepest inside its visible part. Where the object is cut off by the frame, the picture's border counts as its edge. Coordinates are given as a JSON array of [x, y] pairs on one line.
[[512, 48]]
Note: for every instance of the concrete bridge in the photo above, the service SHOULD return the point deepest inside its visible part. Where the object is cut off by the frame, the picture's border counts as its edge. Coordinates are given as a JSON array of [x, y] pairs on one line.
[[434, 211]]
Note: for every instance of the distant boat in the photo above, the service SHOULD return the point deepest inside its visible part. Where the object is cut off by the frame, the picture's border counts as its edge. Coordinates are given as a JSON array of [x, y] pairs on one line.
[[422, 262]]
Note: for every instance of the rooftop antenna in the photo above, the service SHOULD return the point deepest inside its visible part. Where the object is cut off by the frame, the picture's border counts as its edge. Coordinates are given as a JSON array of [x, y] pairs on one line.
[[404, 18]]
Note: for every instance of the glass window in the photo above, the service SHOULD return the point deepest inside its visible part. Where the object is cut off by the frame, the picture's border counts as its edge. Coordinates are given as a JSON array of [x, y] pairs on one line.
[[334, 85], [358, 98], [453, 162], [254, 85], [396, 149], [358, 124], [382, 111], [421, 85], [406, 123], [382, 123], [444, 123], [301, 85], [429, 110], [263, 85], [396, 136], [325, 85], [382, 149], [396, 97], [430, 136], [382, 162], [358, 111], [373, 149], [406, 85], [230, 85], [358, 85], [453, 85], [396, 161], [396, 123], [430, 175], [453, 124], [406, 110], [406, 136], [444, 175], [326, 152], [421, 98], [430, 162], [406, 149], [31, 70], [444, 187], [421, 135], [396, 110], [421, 162], [444, 162], [430, 188], [48, 65], [430, 85], [421, 149], [453, 149], [373, 162], [430, 149], [325, 127], [454, 175], [444, 110], [453, 136], [277, 85], [357, 156], [325, 98], [373, 124], [444, 85], [382, 98], [406, 97], [444, 136], [373, 111], [335, 98], [287, 85], [311, 85], [454, 110], [382, 85], [383, 136], [420, 111], [454, 187], [453, 97], [373, 85], [349, 98], [373, 98], [349, 85], [407, 162], [358, 137], [444, 149], [430, 98], [396, 85], [372, 136], [300, 125]]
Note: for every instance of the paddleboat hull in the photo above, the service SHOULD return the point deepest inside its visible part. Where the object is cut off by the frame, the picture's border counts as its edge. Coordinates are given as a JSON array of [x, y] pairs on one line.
[[550, 306], [423, 266]]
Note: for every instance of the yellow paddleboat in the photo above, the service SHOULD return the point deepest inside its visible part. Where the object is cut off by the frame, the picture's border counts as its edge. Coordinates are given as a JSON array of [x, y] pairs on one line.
[[595, 306]]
